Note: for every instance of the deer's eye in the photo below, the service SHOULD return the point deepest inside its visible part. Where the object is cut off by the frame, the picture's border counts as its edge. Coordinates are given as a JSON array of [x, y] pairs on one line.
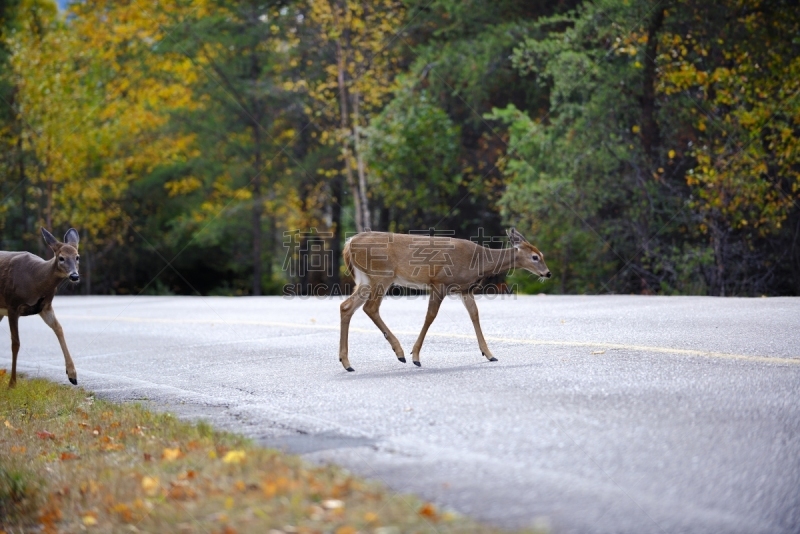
[[535, 257], [61, 259], [77, 258]]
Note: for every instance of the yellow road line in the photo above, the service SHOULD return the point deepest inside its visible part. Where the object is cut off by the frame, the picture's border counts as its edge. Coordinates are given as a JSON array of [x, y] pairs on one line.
[[523, 341]]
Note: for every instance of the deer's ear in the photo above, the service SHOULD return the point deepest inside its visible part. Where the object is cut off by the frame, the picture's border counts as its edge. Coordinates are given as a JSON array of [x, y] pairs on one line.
[[71, 237], [515, 238], [49, 239]]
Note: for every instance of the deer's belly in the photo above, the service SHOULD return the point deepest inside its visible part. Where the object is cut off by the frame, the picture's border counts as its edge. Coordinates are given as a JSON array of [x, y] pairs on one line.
[[400, 281]]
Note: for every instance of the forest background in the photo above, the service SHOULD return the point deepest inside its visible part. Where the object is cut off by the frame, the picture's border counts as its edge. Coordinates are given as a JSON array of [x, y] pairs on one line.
[[204, 147]]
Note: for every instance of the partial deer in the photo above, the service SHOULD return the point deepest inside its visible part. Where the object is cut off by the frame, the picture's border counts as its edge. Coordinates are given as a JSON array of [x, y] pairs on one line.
[[27, 287], [442, 265]]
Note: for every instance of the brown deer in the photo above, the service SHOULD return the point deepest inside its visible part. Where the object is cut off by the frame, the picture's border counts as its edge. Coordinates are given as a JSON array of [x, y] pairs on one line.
[[441, 264], [27, 287]]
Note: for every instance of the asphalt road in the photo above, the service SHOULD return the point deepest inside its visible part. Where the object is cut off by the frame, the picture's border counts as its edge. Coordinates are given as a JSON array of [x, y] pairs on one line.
[[603, 414]]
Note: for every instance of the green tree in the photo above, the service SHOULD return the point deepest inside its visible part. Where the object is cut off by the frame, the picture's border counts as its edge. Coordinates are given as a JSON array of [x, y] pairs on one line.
[[730, 85], [653, 153], [243, 52], [414, 149]]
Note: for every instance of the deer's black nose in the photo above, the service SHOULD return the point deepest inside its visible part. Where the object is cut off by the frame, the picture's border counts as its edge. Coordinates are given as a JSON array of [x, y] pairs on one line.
[[548, 274], [74, 277]]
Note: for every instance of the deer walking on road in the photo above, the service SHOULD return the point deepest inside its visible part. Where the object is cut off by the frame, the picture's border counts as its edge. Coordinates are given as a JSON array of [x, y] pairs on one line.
[[27, 287], [441, 264]]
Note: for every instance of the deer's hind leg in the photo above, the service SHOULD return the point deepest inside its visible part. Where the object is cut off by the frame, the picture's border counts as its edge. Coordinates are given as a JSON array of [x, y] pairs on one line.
[[49, 317], [347, 309], [371, 309]]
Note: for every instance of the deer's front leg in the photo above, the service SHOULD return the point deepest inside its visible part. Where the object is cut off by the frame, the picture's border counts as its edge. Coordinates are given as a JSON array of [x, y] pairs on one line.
[[435, 300], [13, 325], [347, 309], [49, 317], [469, 302]]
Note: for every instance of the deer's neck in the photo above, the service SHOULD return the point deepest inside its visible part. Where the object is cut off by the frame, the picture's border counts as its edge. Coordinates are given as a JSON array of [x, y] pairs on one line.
[[47, 277], [502, 259]]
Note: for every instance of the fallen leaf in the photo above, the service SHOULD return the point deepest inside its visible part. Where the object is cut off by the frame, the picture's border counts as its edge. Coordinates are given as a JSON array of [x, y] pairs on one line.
[[50, 515], [332, 504], [44, 434], [124, 512], [8, 425], [179, 491], [68, 456], [370, 517], [450, 516], [18, 449], [233, 457], [90, 487], [429, 511], [346, 530], [171, 454], [90, 519], [270, 489], [148, 457], [598, 352], [150, 485]]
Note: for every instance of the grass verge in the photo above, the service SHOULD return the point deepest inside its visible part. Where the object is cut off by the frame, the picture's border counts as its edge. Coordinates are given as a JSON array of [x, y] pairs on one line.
[[73, 463]]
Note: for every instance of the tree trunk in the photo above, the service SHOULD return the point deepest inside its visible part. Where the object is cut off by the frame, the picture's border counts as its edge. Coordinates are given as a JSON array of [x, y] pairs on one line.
[[270, 250], [651, 136], [22, 178], [362, 175], [258, 201], [86, 276], [718, 244], [336, 228], [348, 171]]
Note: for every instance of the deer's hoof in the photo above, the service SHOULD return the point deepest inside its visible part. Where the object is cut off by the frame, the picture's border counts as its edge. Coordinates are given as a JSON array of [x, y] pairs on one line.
[[402, 359], [350, 370], [74, 381], [418, 364], [492, 359]]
